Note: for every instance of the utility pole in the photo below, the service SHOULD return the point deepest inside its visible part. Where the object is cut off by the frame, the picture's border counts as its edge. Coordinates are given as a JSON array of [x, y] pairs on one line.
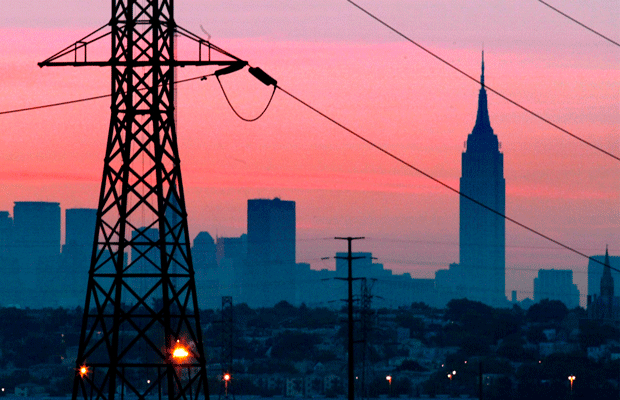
[[140, 329], [227, 346], [349, 279]]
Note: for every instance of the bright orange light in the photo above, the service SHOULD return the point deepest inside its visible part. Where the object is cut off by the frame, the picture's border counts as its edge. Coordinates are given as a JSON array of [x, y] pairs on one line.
[[180, 352], [83, 371], [388, 378], [226, 377]]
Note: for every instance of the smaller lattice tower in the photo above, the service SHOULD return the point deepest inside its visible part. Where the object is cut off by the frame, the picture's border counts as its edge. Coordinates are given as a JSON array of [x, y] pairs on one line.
[[226, 345]]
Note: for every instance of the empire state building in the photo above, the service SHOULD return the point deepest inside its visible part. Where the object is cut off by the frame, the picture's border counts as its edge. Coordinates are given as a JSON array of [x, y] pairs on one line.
[[482, 233]]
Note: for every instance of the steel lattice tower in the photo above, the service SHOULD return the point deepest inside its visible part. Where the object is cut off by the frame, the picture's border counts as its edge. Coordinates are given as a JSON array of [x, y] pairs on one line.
[[226, 344], [141, 333]]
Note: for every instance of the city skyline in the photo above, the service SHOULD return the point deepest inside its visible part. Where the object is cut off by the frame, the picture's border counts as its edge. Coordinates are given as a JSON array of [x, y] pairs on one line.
[[226, 265], [376, 84]]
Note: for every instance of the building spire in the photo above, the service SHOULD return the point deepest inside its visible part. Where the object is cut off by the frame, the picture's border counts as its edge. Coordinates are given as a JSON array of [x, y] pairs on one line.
[[482, 75], [483, 124], [607, 281]]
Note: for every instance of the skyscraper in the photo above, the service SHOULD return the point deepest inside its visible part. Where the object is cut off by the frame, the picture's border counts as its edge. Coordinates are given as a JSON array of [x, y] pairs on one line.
[[271, 249], [37, 249], [605, 306], [76, 253], [482, 233]]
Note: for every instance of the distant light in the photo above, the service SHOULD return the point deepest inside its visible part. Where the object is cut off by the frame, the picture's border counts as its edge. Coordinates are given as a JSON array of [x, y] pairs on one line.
[[180, 352], [453, 373], [388, 378], [3, 389], [83, 371], [465, 361], [226, 377], [148, 381]]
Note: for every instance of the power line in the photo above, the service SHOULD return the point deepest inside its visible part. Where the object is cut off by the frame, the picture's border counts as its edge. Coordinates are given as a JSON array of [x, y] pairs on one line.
[[103, 96], [445, 185], [579, 23], [454, 67]]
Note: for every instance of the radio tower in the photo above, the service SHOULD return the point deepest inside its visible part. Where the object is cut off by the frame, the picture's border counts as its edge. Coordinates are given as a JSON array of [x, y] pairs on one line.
[[141, 333]]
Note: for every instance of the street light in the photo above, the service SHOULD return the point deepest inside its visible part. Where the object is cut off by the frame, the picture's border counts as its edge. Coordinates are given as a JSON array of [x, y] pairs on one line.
[[226, 379], [389, 379], [571, 379], [179, 353]]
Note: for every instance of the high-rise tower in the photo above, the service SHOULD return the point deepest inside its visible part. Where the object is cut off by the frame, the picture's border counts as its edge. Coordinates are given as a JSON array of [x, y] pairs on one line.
[[37, 251], [271, 250], [482, 233]]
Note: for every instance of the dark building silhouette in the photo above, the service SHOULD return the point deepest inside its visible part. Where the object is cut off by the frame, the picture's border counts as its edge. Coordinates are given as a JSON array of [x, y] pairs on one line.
[[271, 251], [8, 270], [395, 289], [605, 306], [207, 272], [76, 254], [37, 251], [449, 284], [595, 272], [204, 252], [554, 284], [236, 278], [482, 233]]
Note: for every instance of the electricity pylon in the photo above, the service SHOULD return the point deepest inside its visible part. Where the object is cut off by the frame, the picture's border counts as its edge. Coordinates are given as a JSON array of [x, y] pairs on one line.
[[226, 344], [141, 332], [366, 316]]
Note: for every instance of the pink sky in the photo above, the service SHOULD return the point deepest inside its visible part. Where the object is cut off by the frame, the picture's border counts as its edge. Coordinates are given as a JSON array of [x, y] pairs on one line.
[[338, 60]]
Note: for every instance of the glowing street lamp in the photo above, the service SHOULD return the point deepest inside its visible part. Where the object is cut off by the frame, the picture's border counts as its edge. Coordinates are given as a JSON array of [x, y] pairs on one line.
[[571, 379], [83, 371], [389, 379], [226, 378], [179, 353]]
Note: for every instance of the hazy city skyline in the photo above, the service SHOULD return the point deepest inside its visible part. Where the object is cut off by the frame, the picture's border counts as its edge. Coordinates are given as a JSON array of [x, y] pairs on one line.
[[353, 69]]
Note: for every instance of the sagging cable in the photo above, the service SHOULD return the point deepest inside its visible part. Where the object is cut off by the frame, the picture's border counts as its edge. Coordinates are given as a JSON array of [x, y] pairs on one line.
[[258, 74]]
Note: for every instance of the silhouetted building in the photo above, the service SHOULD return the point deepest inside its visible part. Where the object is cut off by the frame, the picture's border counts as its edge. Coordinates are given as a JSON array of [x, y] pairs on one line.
[[207, 273], [233, 274], [76, 254], [449, 284], [271, 251], [556, 284], [595, 272], [394, 289], [37, 251], [605, 306], [482, 233], [8, 267], [204, 252]]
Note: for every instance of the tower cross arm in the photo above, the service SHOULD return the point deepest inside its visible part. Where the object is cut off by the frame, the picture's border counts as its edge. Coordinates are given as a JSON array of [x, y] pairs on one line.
[[206, 53]]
